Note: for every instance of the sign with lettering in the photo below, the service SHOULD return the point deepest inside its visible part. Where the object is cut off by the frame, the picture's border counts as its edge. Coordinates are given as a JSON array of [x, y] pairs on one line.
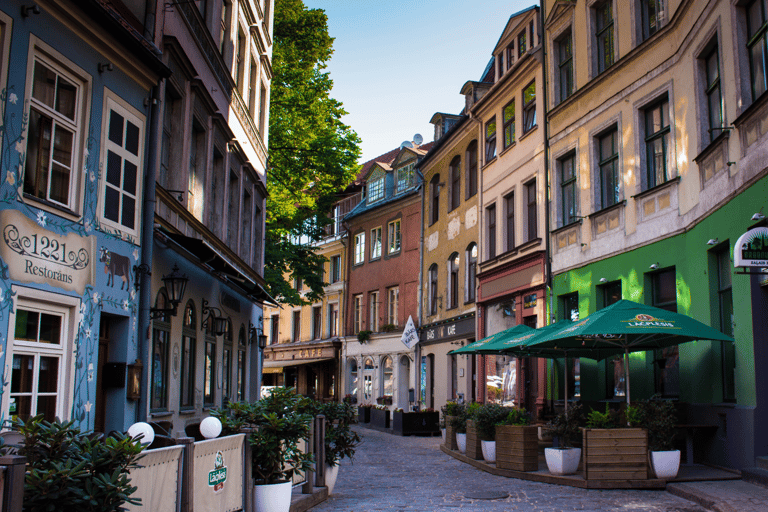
[[218, 476], [464, 327], [529, 301], [34, 254], [304, 353], [410, 335], [751, 249]]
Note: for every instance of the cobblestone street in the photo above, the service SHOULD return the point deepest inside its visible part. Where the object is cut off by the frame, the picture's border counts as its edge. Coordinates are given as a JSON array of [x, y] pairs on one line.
[[411, 473]]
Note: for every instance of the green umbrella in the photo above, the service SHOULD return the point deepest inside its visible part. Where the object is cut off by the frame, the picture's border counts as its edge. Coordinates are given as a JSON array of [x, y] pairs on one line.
[[627, 326], [507, 334]]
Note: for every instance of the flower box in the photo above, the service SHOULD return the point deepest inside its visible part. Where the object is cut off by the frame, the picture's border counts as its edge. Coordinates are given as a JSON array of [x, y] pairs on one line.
[[517, 447], [380, 418], [615, 453], [474, 446], [408, 423], [384, 400], [363, 414], [450, 435]]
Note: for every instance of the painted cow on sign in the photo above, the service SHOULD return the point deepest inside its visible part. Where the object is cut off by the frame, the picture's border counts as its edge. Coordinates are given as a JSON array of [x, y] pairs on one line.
[[115, 264]]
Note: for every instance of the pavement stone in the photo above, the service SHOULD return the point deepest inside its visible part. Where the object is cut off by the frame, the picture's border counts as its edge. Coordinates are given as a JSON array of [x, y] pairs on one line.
[[724, 496], [395, 473]]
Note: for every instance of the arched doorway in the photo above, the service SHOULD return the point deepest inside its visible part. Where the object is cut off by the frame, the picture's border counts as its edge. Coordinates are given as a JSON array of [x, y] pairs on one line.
[[403, 381], [368, 380]]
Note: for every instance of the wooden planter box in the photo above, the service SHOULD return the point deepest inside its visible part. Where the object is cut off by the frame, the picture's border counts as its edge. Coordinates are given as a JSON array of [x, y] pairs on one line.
[[450, 435], [363, 414], [615, 454], [517, 447], [380, 418], [408, 423], [474, 448]]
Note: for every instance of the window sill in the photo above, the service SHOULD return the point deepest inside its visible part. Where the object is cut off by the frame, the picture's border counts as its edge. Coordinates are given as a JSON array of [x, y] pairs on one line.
[[712, 146], [467, 302], [51, 207], [656, 188], [607, 209], [161, 414], [371, 260], [187, 412], [567, 226], [506, 149], [394, 253], [358, 264], [489, 162], [526, 134], [527, 245]]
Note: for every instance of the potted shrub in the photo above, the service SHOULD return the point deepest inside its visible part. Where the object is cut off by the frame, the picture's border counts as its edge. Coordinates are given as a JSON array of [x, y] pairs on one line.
[[350, 398], [486, 419], [425, 421], [340, 439], [450, 411], [280, 422], [517, 442], [69, 470], [364, 336], [458, 425], [384, 400], [563, 458], [364, 413], [611, 450], [658, 417], [380, 416], [474, 447]]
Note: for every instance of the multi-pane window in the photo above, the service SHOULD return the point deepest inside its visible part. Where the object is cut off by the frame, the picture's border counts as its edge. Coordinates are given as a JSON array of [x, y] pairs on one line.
[[471, 159], [233, 209], [317, 322], [490, 215], [388, 376], [38, 370], [161, 341], [393, 298], [725, 310], [209, 367], [376, 243], [226, 367], [433, 289], [359, 248], [455, 174], [375, 190], [521, 43], [253, 89], [123, 144], [757, 45], [335, 264], [471, 259], [509, 124], [531, 216], [614, 366], [564, 66], [569, 306], [169, 152], [274, 329], [529, 107], [393, 236], [604, 35], [373, 317], [567, 190], [197, 170], [657, 143], [490, 140], [224, 27], [188, 351], [240, 57], [453, 281], [434, 203], [405, 177], [262, 109], [608, 162], [652, 12], [358, 310], [509, 207], [296, 326], [714, 94], [333, 319], [53, 135], [664, 296]]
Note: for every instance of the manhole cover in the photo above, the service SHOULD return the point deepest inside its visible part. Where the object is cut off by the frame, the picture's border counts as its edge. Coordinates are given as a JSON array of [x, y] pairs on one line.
[[486, 495]]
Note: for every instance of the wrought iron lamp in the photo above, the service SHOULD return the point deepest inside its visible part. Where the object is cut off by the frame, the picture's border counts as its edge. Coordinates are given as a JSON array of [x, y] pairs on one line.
[[220, 322], [175, 284], [253, 330]]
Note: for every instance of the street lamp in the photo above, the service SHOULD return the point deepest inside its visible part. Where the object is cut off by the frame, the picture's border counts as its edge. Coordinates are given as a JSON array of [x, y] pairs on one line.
[[175, 284], [262, 344], [220, 322]]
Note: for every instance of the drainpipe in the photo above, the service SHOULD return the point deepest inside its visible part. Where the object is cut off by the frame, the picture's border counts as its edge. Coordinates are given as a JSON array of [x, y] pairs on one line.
[[144, 338], [420, 294], [480, 226]]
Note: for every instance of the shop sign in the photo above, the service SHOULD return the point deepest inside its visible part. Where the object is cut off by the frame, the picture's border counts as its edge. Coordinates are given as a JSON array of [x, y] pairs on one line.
[[529, 301], [34, 254], [751, 249], [304, 353], [457, 329], [218, 476], [410, 335]]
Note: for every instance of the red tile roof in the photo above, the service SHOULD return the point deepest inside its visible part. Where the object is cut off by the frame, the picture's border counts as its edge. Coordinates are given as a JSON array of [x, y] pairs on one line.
[[387, 158]]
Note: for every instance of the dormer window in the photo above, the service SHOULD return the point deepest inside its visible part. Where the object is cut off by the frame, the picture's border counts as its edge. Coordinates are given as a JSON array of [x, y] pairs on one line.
[[375, 189], [404, 177], [521, 43]]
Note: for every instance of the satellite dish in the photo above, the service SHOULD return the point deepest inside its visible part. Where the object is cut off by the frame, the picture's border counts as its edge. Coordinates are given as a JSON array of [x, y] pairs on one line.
[[418, 139], [406, 144]]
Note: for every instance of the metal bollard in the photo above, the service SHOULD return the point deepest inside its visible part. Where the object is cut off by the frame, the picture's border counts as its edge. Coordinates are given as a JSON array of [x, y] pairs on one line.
[[320, 450], [308, 487]]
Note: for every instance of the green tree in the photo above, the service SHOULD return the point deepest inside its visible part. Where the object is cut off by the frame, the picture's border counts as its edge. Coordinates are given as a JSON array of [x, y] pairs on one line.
[[312, 154]]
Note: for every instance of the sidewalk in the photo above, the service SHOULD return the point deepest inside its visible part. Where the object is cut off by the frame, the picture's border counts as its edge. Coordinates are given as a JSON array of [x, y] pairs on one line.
[[723, 496]]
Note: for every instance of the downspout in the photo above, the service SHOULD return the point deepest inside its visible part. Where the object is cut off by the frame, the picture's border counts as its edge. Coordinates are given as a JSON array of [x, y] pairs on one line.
[[144, 338], [420, 295], [150, 18], [480, 219]]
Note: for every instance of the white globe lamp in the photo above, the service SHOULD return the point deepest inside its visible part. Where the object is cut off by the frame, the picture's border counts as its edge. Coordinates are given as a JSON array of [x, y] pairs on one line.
[[210, 427], [144, 430]]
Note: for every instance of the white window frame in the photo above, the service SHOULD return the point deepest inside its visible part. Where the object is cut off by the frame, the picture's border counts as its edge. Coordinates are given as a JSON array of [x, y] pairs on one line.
[[39, 51], [393, 298], [51, 303], [360, 248], [376, 190], [394, 236], [373, 321], [376, 243], [358, 312], [404, 177], [114, 102]]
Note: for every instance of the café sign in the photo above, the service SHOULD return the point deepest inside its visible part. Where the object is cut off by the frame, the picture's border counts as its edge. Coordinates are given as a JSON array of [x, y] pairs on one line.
[[34, 254], [751, 249]]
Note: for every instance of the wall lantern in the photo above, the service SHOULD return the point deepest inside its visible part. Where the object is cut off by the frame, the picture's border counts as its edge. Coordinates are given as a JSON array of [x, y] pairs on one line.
[[133, 391], [175, 284], [220, 323], [253, 330]]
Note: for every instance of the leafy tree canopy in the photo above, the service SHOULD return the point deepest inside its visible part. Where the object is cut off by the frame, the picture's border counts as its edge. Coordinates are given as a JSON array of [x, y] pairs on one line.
[[312, 154]]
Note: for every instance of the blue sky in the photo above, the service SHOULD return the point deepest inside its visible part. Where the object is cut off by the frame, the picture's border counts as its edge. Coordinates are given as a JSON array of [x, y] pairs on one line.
[[396, 63]]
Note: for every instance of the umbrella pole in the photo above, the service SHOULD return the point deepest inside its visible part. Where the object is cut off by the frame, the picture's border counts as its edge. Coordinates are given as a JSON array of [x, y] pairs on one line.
[[626, 371], [566, 382]]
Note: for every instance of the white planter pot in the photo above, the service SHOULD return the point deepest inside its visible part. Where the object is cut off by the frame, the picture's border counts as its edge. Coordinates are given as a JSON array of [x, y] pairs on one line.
[[442, 431], [331, 473], [489, 450], [272, 497], [666, 464], [461, 442], [562, 461]]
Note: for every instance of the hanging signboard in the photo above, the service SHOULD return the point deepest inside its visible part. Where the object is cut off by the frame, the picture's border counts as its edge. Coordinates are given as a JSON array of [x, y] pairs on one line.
[[751, 249], [410, 335]]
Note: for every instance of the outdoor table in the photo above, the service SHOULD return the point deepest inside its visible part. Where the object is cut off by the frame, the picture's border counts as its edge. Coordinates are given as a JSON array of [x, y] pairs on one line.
[[690, 429]]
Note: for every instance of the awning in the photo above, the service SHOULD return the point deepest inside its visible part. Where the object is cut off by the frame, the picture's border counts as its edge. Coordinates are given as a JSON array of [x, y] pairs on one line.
[[221, 265], [293, 362]]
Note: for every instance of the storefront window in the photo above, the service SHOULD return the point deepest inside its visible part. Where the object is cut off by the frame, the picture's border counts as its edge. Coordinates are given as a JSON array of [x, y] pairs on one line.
[[388, 376], [367, 380], [188, 351], [352, 378]]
